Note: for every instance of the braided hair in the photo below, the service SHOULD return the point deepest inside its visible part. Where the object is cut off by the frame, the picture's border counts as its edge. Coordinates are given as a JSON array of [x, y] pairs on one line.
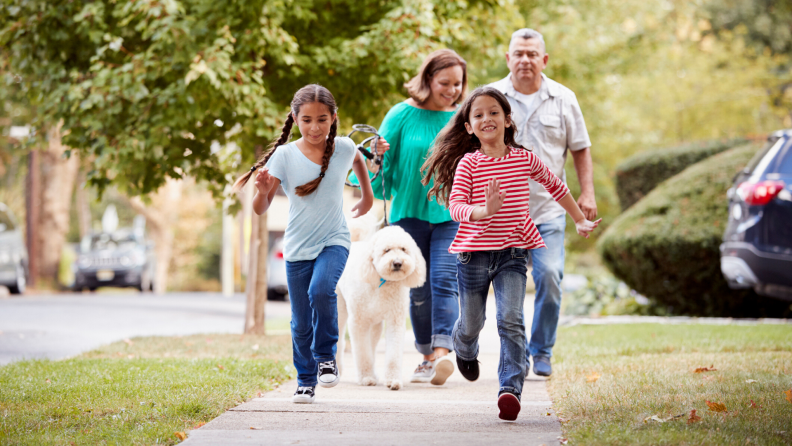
[[306, 95]]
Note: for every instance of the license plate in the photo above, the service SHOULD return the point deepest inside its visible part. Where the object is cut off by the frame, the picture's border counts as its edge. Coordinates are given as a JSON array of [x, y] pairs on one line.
[[105, 275]]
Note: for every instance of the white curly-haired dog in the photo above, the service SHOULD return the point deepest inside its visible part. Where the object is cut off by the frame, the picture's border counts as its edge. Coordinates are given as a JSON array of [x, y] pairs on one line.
[[375, 289]]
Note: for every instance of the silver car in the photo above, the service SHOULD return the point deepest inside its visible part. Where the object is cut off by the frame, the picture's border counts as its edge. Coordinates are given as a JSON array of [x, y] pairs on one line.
[[13, 254]]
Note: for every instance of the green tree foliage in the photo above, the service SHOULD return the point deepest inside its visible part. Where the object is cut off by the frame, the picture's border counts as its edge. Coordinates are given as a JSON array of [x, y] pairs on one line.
[[146, 87]]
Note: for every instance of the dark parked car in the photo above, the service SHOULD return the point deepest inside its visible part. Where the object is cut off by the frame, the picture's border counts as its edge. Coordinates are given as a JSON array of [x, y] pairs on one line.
[[13, 254], [757, 245], [119, 259]]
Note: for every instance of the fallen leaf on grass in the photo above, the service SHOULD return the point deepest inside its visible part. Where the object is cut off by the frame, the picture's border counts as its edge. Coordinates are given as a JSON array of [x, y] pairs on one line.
[[180, 435], [199, 425], [662, 420], [47, 381], [716, 407], [220, 367], [258, 395], [754, 405], [706, 378], [705, 369], [788, 395], [592, 378], [751, 381], [563, 440], [693, 417]]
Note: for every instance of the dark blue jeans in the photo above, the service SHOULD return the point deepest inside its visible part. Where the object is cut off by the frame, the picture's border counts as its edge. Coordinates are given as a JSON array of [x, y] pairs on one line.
[[314, 323], [507, 271], [434, 307]]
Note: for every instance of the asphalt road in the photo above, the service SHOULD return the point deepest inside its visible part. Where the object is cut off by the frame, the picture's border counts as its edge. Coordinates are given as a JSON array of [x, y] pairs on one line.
[[58, 326]]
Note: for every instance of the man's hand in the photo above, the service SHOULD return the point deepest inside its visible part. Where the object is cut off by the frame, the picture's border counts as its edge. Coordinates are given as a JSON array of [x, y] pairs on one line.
[[588, 205]]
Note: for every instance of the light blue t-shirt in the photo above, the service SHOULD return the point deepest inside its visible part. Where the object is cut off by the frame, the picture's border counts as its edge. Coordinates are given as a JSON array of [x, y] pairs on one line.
[[317, 219]]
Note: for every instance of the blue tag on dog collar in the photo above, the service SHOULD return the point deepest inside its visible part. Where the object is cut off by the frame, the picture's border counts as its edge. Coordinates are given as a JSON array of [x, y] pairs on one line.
[[382, 282]]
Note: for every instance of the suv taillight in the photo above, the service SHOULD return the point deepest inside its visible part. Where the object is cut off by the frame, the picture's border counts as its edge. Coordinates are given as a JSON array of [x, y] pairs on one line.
[[279, 254], [761, 193]]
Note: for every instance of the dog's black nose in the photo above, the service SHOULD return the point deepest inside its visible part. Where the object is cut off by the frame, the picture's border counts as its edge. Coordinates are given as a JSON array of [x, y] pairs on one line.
[[397, 264]]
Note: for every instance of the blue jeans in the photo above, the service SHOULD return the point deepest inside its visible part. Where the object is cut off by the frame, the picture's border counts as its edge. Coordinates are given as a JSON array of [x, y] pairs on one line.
[[434, 307], [548, 270], [314, 323], [507, 271]]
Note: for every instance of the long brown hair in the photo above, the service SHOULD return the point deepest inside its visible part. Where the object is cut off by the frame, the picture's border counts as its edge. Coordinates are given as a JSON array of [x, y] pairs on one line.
[[305, 95], [454, 142], [420, 87]]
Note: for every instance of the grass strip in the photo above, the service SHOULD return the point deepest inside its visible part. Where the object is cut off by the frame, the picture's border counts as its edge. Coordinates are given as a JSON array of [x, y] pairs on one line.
[[609, 381], [140, 391]]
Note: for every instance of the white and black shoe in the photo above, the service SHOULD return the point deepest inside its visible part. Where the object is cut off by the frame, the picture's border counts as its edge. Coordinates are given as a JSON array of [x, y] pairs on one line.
[[304, 395], [328, 373]]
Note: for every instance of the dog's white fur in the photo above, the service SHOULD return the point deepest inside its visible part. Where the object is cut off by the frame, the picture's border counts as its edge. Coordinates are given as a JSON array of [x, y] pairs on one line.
[[391, 254]]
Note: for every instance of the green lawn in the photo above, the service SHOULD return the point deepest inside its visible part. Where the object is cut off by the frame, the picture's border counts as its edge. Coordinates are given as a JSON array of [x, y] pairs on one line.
[[608, 379], [141, 391]]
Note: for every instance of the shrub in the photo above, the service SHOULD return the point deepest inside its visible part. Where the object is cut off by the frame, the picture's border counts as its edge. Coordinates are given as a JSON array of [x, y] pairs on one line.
[[666, 245], [639, 174]]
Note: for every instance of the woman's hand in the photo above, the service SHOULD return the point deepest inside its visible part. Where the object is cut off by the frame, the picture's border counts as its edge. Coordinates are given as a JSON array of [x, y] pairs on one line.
[[382, 146], [584, 226], [264, 180]]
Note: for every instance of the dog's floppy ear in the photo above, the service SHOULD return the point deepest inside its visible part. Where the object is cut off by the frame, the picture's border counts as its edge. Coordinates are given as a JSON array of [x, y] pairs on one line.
[[367, 271], [418, 276]]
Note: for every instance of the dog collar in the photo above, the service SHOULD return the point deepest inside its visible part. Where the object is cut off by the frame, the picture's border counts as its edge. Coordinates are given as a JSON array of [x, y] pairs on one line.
[[382, 282]]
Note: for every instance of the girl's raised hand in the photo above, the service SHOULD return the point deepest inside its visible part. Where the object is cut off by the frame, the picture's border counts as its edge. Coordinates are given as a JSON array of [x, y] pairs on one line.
[[494, 197], [362, 207], [584, 226], [264, 181]]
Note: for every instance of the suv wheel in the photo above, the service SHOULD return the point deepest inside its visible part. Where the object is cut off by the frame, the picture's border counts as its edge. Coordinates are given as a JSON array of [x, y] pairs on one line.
[[21, 282]]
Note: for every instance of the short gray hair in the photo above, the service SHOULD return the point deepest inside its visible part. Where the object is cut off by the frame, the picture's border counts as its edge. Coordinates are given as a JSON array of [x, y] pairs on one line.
[[528, 33]]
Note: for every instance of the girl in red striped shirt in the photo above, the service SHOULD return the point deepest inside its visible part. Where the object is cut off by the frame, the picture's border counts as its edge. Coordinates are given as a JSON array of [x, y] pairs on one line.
[[482, 175]]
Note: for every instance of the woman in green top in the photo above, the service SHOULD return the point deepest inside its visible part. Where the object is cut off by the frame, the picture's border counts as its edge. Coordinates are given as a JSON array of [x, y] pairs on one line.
[[411, 127]]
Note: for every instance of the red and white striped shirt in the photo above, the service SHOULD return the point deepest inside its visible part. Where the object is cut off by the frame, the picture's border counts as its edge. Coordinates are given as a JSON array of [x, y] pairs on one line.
[[511, 226]]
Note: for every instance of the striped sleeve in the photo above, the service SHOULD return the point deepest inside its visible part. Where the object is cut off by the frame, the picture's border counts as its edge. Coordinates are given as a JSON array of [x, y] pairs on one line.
[[542, 175], [461, 191]]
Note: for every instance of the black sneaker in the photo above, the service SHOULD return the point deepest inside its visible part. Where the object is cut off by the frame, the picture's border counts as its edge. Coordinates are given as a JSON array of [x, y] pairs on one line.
[[468, 369], [328, 373], [509, 406], [304, 395]]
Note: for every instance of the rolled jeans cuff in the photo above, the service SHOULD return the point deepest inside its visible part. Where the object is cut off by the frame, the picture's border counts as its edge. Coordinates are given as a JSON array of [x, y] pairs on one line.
[[424, 349], [511, 390], [442, 341]]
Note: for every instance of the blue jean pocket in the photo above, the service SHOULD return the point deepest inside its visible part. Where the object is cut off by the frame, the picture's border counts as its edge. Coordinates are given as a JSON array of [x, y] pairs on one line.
[[464, 257]]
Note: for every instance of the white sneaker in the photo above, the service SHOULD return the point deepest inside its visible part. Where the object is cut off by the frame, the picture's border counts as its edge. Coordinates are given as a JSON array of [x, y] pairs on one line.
[[443, 368], [304, 395], [423, 373], [328, 373]]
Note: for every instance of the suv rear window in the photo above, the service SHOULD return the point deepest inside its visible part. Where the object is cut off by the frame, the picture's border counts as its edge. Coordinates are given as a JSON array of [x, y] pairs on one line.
[[783, 164]]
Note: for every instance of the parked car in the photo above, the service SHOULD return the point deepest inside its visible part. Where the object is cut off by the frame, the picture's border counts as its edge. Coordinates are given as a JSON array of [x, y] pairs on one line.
[[757, 245], [13, 254], [277, 288], [122, 258]]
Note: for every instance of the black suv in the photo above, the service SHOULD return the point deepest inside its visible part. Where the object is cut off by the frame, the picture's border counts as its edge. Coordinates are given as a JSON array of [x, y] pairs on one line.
[[757, 245], [119, 259]]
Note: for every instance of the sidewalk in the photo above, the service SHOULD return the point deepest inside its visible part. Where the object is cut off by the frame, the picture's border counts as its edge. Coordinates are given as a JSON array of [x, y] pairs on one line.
[[458, 413]]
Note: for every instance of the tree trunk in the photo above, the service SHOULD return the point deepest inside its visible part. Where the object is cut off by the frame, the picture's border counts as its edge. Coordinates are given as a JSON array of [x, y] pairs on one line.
[[260, 301], [32, 206], [58, 176], [256, 285], [83, 207], [161, 217]]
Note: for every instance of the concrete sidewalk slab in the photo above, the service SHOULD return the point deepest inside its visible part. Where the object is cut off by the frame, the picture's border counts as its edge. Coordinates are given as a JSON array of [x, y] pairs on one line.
[[457, 413]]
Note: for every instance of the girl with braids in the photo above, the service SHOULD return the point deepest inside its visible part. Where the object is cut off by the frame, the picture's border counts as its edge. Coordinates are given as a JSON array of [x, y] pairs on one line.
[[317, 241], [482, 174]]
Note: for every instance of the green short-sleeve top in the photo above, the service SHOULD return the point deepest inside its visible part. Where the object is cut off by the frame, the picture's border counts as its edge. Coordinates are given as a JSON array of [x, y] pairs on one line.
[[410, 132]]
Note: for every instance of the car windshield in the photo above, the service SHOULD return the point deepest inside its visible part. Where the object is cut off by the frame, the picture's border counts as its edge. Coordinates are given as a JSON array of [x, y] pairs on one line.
[[6, 223], [100, 242]]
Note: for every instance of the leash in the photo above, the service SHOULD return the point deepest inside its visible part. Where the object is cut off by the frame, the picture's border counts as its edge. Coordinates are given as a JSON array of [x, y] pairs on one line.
[[378, 160]]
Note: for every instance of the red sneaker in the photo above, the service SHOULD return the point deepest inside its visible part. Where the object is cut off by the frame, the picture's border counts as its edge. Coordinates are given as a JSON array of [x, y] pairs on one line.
[[509, 406]]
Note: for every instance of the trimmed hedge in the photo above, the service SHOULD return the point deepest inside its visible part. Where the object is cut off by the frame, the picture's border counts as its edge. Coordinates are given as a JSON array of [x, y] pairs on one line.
[[639, 174], [666, 245]]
